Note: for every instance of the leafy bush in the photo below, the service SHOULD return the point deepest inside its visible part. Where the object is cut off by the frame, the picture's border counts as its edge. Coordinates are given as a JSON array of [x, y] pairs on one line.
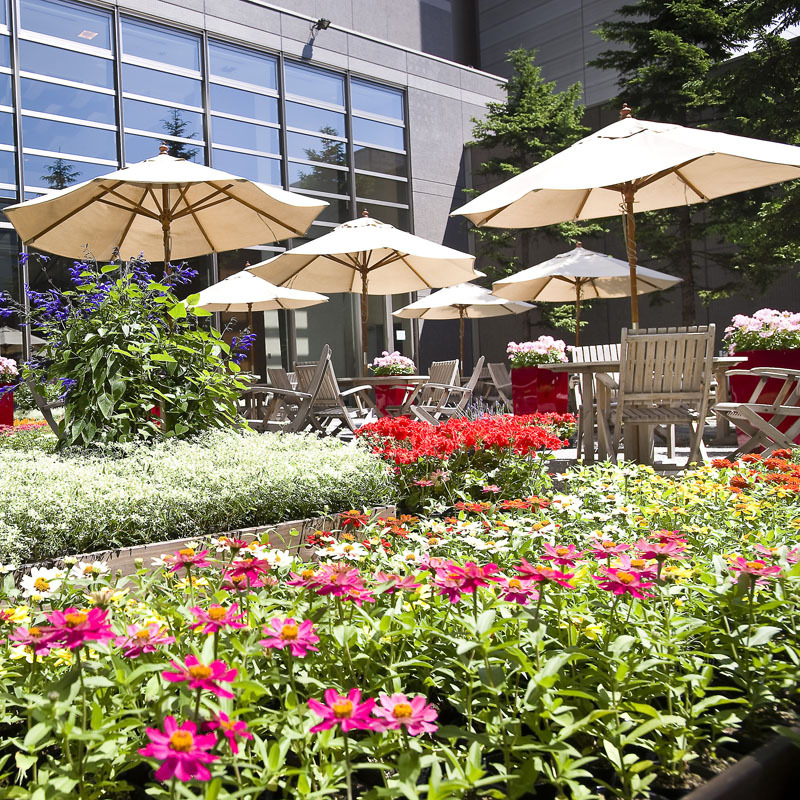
[[73, 501]]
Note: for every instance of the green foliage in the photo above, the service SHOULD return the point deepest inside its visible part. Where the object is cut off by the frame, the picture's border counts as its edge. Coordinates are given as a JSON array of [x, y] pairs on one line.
[[123, 495]]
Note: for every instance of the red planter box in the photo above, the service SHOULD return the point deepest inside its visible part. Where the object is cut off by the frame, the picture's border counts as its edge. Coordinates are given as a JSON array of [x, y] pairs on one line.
[[7, 406], [535, 390], [390, 395], [742, 386]]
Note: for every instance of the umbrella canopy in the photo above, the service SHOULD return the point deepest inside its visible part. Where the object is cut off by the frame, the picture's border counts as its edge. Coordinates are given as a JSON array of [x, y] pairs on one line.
[[650, 165], [366, 256], [186, 208], [464, 301], [577, 275], [11, 336]]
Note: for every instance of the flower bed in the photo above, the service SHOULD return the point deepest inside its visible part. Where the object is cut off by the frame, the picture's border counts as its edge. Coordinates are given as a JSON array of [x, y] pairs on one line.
[[614, 640], [54, 504]]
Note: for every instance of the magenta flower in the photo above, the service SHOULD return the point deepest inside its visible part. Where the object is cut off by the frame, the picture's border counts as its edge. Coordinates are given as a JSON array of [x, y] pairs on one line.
[[563, 555], [143, 640], [283, 633], [517, 590], [216, 618], [307, 578], [662, 550], [620, 581], [759, 570], [337, 579], [72, 627], [541, 574], [492, 488], [398, 711], [667, 536], [202, 676], [407, 582], [187, 558], [242, 583], [423, 483], [606, 548], [182, 750], [35, 637], [232, 729], [349, 711], [792, 556], [453, 580], [251, 568], [637, 565]]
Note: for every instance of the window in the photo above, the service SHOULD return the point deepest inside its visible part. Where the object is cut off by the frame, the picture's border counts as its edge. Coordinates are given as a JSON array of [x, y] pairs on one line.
[[244, 66], [5, 90], [381, 189], [227, 100], [8, 168], [53, 172], [162, 85], [65, 64], [5, 51], [374, 99], [378, 133], [316, 84], [316, 120], [157, 43], [337, 211], [255, 168], [314, 148], [391, 215], [65, 137], [77, 24], [138, 148], [385, 161], [167, 120], [6, 128], [318, 179], [246, 135], [66, 101]]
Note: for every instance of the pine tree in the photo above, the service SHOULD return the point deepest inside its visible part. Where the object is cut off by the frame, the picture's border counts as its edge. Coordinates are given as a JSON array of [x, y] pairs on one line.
[[60, 174], [176, 125]]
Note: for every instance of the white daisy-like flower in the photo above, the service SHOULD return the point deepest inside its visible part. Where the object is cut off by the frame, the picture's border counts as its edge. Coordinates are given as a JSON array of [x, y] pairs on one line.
[[165, 560], [566, 503], [411, 557], [41, 583], [352, 551], [259, 550], [279, 558], [6, 568], [498, 546], [85, 570]]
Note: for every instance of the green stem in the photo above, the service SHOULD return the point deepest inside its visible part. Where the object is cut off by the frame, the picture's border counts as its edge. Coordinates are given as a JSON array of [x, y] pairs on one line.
[[83, 723], [347, 766]]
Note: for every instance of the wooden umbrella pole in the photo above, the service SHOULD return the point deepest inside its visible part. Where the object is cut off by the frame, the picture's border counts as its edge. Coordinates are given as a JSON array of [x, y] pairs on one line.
[[578, 313], [165, 220], [630, 245], [461, 312], [252, 358], [364, 315]]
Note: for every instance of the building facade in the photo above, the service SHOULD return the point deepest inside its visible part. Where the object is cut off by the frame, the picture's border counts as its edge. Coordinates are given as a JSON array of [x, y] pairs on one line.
[[361, 104]]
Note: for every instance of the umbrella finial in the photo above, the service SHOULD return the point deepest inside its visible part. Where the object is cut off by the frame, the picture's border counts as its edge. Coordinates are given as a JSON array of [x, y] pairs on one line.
[[246, 264], [163, 149], [365, 213], [625, 111], [578, 244]]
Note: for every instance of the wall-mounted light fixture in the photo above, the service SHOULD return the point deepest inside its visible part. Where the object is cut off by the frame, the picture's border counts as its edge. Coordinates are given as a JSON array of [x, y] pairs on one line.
[[322, 24]]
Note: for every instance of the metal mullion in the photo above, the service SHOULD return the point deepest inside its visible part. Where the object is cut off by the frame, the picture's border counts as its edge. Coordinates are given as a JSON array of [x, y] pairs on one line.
[[284, 315], [204, 78], [415, 323]]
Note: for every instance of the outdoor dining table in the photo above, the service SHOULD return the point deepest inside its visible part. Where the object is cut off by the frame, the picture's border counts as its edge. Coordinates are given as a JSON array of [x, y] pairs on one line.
[[587, 371], [383, 380]]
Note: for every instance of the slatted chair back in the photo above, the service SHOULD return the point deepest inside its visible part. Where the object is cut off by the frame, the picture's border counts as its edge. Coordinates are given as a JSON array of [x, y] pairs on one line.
[[441, 372], [279, 378], [501, 380], [469, 387], [596, 352], [329, 388]]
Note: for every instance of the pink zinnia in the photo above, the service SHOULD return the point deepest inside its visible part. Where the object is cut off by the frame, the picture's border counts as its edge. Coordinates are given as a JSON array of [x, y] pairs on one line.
[[398, 711], [792, 556], [637, 565], [143, 640], [542, 574], [232, 729], [667, 536], [662, 550], [407, 582], [216, 618], [563, 555], [251, 568], [337, 579], [517, 590], [492, 488], [606, 548], [760, 570], [73, 627], [349, 711], [299, 638], [243, 583], [36, 637], [182, 750], [307, 578], [202, 676], [188, 558], [453, 580], [620, 581]]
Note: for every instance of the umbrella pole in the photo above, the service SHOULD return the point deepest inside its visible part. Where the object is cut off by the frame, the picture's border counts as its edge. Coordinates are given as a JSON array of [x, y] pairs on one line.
[[252, 358], [630, 245], [577, 314], [461, 337], [364, 317], [165, 227]]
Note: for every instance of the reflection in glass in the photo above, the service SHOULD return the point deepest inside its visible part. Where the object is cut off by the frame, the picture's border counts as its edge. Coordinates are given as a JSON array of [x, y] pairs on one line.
[[384, 161], [5, 51], [138, 148], [163, 85], [392, 216], [45, 134], [314, 148], [244, 104], [166, 119], [379, 133], [337, 211], [157, 43], [254, 168], [314, 83], [9, 261], [3, 12], [318, 179], [314, 119], [54, 172], [57, 63], [8, 167], [5, 90], [65, 101], [376, 99], [245, 135], [246, 66], [67, 21], [6, 128], [381, 189]]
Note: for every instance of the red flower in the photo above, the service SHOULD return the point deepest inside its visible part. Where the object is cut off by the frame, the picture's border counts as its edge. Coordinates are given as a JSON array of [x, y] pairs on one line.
[[353, 519], [216, 618], [232, 729], [188, 558], [721, 463], [202, 676], [287, 633], [72, 628], [453, 580], [182, 750], [619, 581], [348, 712]]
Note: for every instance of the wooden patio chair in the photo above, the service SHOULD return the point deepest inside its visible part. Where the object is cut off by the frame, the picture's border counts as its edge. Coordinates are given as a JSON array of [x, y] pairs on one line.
[[329, 410], [591, 353], [446, 408], [46, 408], [760, 417], [500, 379], [441, 373], [664, 379]]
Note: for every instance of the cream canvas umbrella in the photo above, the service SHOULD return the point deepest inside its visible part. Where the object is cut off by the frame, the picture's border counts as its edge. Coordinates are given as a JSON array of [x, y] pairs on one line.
[[578, 275], [633, 165], [464, 301], [162, 204], [366, 256]]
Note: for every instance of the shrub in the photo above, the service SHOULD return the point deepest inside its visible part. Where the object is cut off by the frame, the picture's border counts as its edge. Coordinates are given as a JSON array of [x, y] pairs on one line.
[[71, 502]]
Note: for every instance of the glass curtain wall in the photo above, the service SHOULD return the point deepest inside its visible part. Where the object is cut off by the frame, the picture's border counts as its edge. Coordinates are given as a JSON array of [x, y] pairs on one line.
[[84, 90]]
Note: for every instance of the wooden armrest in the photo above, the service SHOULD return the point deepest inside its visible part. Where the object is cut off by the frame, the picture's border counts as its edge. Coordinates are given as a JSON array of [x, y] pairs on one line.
[[445, 387], [291, 393], [776, 372], [355, 390], [607, 380]]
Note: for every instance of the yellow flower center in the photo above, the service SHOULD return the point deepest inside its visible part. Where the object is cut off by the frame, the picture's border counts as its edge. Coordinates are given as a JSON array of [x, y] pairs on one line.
[[638, 563], [289, 632], [181, 741], [342, 709], [200, 671], [75, 619], [307, 574], [402, 711], [514, 583], [143, 635], [238, 579], [88, 570], [607, 545], [625, 577], [756, 565], [435, 540], [188, 552], [562, 551], [41, 584], [35, 632], [217, 613], [411, 557], [227, 725], [348, 548]]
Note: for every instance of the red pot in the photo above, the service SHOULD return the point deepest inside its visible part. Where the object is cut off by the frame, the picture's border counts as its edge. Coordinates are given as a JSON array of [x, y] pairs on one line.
[[390, 394], [7, 406], [541, 391], [742, 386]]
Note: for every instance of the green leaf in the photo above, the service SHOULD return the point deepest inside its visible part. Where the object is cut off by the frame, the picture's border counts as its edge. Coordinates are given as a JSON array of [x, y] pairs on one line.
[[108, 268], [192, 299], [613, 754], [162, 357], [106, 405], [178, 311], [762, 635], [35, 735], [201, 312]]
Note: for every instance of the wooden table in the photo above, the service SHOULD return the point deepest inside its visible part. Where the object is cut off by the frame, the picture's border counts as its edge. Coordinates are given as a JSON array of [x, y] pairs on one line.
[[383, 380], [589, 369]]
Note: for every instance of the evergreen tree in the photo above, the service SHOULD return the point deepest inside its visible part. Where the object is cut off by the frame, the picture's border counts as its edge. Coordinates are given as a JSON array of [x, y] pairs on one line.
[[60, 174], [176, 125]]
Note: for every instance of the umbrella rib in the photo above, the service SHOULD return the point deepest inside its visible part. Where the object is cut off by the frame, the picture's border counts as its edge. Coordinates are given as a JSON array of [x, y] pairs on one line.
[[691, 185], [133, 209], [582, 204], [260, 211], [403, 259], [202, 229], [491, 216], [155, 200], [131, 205], [130, 222], [199, 205], [386, 260]]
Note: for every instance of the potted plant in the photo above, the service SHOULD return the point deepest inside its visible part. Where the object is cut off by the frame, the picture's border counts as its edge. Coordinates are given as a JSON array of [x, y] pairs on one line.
[[769, 338], [535, 390], [391, 394], [9, 375]]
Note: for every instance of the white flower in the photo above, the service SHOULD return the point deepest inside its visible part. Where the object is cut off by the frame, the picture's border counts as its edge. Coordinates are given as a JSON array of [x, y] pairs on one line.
[[84, 570], [259, 550], [411, 557], [41, 583], [500, 546], [566, 503], [353, 551], [279, 558], [6, 568]]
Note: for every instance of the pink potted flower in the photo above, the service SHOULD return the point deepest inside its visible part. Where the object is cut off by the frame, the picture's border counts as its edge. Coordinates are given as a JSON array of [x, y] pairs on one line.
[[535, 390], [391, 394]]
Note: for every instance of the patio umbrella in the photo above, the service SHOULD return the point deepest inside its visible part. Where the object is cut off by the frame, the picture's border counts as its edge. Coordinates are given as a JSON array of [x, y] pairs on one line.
[[650, 164], [465, 301], [13, 337], [366, 256], [578, 275], [186, 208]]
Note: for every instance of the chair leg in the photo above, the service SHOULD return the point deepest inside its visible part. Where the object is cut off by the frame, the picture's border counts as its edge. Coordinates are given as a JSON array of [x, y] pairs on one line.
[[671, 441]]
